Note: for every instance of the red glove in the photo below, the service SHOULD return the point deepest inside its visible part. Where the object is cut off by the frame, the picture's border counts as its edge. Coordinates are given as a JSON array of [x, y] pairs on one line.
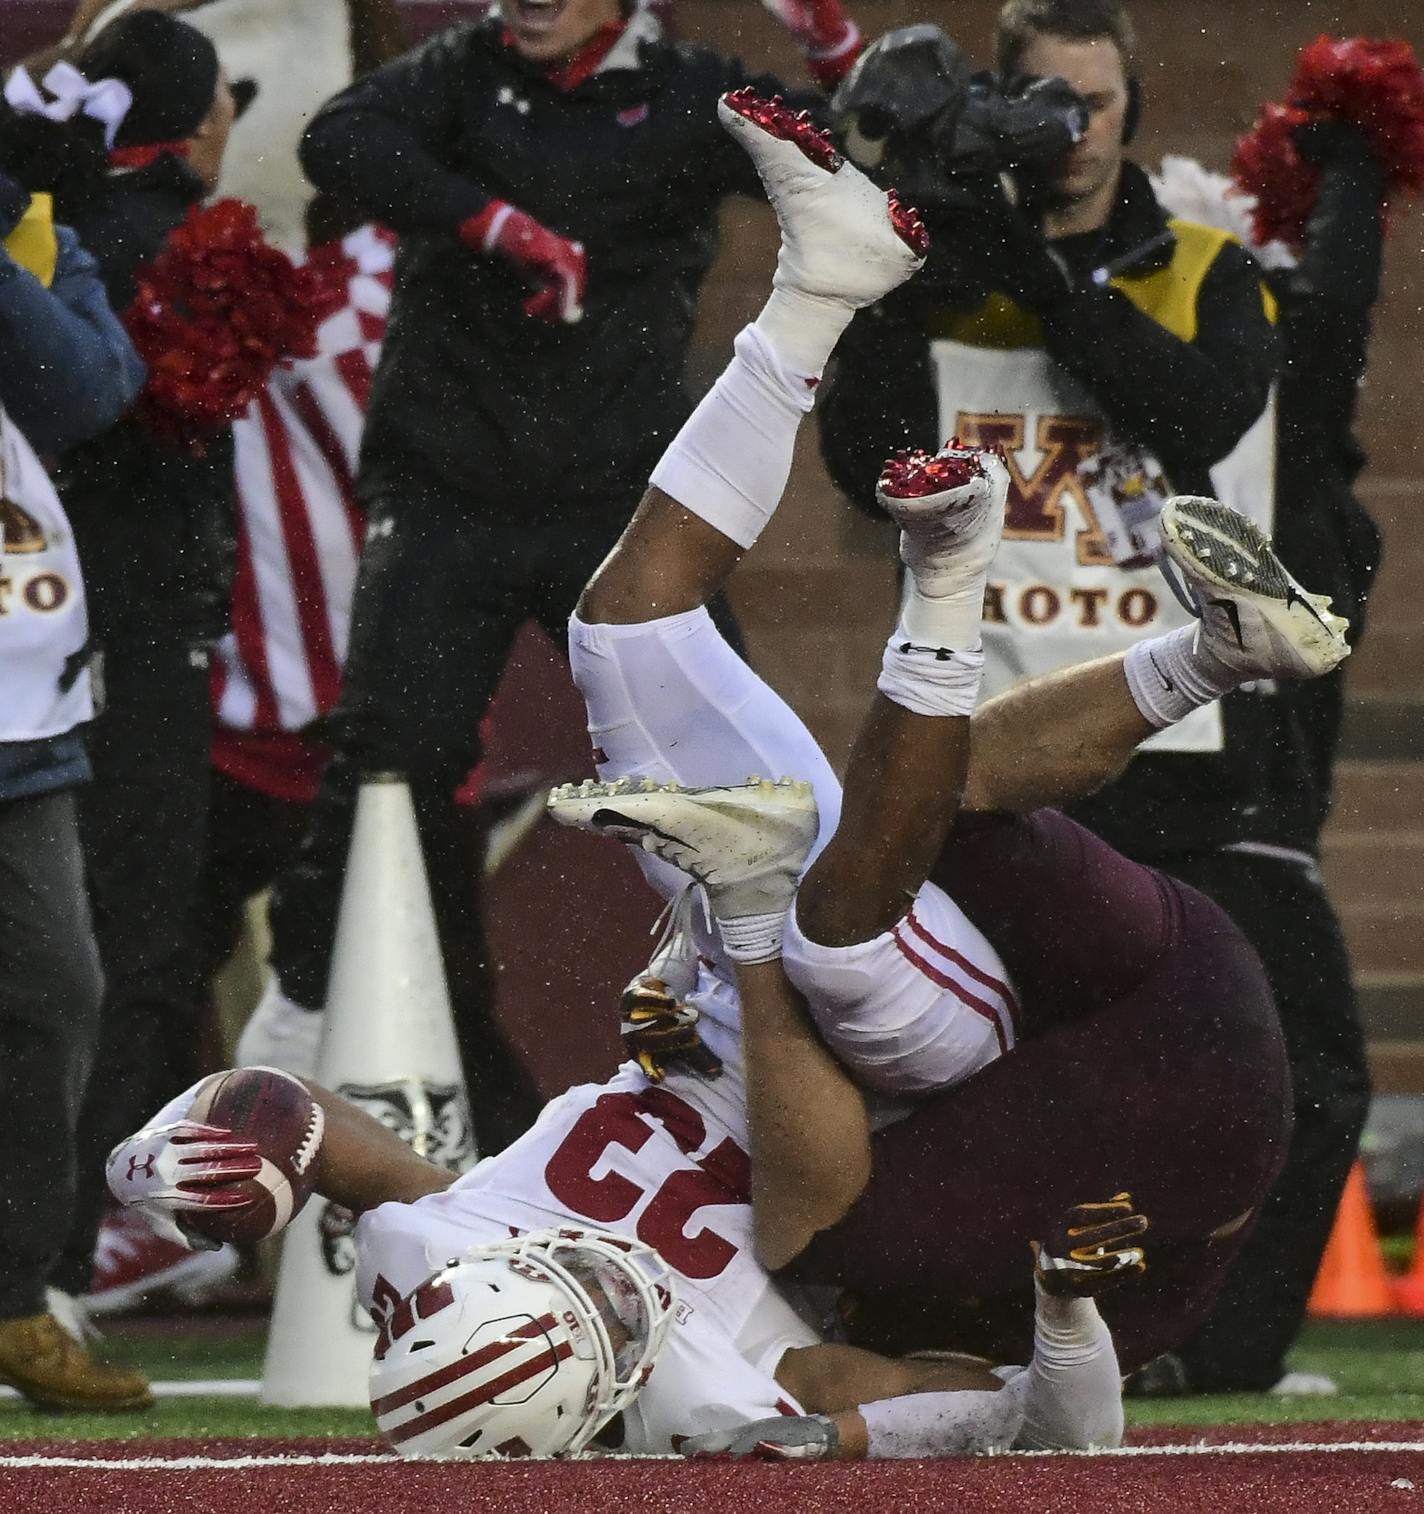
[[555, 266], [169, 1171], [829, 38]]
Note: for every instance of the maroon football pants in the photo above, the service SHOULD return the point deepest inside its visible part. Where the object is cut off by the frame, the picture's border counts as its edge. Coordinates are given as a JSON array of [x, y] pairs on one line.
[[1151, 1061]]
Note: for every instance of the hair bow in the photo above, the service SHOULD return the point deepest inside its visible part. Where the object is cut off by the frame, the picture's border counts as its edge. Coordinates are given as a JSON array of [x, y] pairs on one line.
[[107, 101]]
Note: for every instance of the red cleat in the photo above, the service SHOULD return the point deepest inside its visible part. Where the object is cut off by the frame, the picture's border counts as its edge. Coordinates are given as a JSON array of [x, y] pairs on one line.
[[131, 1263]]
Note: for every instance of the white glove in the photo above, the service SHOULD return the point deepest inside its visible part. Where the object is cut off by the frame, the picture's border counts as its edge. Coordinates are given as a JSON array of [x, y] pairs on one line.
[[801, 1437], [169, 1171]]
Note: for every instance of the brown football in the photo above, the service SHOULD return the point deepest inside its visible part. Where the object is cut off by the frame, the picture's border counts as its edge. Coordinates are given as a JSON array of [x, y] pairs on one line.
[[274, 1111]]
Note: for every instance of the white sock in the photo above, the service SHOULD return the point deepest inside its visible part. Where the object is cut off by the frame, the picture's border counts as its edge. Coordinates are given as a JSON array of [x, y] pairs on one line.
[[929, 679], [730, 462], [803, 329], [1072, 1390], [1171, 675], [928, 1425]]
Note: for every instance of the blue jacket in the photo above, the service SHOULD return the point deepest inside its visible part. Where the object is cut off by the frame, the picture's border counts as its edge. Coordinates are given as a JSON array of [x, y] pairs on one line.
[[67, 367], [67, 371]]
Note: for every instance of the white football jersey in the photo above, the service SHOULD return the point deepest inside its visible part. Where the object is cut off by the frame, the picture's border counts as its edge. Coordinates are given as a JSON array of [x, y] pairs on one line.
[[665, 1163]]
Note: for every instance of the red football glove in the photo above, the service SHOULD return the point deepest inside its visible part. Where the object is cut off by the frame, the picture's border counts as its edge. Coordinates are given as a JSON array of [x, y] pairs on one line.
[[555, 266], [170, 1171], [829, 38]]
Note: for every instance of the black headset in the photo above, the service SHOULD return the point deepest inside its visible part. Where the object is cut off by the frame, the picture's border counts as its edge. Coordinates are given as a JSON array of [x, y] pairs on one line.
[[1132, 116]]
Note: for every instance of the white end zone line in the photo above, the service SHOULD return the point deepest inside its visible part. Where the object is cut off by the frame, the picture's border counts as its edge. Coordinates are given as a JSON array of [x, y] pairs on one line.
[[221, 1387], [380, 1459]]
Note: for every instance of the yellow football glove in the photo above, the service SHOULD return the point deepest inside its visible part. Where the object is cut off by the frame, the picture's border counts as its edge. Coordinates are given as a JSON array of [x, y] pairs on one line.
[[1095, 1247], [660, 1032]]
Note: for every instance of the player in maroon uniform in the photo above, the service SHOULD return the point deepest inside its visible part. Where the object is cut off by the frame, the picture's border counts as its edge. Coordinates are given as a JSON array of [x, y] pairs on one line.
[[1145, 1054]]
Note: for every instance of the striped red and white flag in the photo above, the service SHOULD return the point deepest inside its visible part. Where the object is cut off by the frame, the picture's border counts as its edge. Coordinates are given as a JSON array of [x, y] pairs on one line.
[[299, 541]]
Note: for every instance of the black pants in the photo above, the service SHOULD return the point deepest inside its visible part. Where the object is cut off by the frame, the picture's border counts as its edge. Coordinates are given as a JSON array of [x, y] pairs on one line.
[[1283, 910], [253, 837], [143, 822], [442, 594], [50, 988]]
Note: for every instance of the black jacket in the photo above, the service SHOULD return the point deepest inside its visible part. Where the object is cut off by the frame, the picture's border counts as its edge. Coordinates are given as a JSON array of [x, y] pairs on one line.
[[1190, 402], [1199, 401], [154, 525], [471, 393], [1326, 537]]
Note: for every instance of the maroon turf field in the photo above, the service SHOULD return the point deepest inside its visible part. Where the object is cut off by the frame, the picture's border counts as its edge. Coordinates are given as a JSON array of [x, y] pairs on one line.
[[1265, 1470]]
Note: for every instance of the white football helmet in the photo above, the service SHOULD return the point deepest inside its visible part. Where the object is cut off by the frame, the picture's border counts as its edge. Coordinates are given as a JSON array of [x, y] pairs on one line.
[[524, 1347]]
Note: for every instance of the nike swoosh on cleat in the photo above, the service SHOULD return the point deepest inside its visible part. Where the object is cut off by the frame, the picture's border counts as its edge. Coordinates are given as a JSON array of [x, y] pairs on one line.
[[1292, 598], [1233, 615], [607, 819]]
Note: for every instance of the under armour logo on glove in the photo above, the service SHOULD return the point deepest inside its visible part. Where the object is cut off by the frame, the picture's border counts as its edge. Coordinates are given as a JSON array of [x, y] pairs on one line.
[[1094, 1248], [168, 1171]]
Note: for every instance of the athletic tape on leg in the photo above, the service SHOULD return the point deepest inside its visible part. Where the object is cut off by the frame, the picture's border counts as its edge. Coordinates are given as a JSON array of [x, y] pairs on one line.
[[929, 680], [730, 462]]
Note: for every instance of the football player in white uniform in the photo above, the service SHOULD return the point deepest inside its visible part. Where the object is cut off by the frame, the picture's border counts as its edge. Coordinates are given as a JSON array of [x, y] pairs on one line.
[[609, 1269]]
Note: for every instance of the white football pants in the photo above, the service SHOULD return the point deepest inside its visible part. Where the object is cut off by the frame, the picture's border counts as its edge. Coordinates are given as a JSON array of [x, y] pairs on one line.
[[917, 1008]]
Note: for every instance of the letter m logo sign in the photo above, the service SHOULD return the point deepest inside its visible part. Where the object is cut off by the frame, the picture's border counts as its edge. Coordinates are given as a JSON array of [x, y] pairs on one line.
[[1035, 507]]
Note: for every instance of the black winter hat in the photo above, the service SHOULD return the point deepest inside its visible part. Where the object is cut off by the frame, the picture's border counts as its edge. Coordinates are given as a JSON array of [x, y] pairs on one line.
[[171, 68]]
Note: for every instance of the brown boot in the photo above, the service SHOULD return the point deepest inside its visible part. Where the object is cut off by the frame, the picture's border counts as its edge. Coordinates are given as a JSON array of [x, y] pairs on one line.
[[54, 1371]]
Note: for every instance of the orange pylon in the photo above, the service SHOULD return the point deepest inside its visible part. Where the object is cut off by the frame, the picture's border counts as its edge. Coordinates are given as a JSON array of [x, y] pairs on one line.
[[1352, 1282], [1409, 1290]]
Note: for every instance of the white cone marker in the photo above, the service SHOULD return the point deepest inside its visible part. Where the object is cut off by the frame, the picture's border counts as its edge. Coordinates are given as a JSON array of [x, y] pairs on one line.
[[389, 1045]]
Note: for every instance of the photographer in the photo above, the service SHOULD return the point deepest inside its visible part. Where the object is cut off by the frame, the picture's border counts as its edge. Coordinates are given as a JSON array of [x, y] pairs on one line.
[[1118, 357], [66, 370], [1326, 290]]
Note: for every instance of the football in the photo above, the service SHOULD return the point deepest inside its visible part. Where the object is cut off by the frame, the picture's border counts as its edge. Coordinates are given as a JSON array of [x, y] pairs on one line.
[[275, 1112]]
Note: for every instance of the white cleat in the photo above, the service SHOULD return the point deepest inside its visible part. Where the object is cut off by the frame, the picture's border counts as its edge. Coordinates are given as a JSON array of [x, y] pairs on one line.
[[281, 1034], [841, 237], [1254, 616], [747, 845], [949, 506]]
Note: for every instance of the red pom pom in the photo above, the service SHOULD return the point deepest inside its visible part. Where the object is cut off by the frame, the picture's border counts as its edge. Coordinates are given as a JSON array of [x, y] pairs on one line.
[[1375, 85], [216, 312]]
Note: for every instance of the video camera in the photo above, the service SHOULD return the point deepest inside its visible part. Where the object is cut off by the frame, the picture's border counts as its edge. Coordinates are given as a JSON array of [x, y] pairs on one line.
[[911, 112]]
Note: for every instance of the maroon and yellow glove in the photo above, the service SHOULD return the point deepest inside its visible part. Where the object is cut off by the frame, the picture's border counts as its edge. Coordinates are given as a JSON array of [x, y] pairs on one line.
[[660, 1032], [1095, 1247]]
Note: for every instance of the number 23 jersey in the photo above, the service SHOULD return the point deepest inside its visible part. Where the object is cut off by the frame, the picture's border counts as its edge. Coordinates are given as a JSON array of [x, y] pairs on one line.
[[665, 1163]]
